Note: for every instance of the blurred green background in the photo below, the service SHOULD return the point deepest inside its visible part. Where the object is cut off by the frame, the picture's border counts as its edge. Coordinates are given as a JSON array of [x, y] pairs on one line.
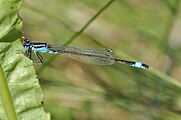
[[141, 30]]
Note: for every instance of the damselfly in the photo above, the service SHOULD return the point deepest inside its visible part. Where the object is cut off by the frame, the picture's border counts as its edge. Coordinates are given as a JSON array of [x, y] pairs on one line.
[[98, 56]]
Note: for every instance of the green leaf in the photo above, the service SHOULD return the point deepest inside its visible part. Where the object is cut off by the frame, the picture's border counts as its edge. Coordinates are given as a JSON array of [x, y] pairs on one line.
[[26, 93]]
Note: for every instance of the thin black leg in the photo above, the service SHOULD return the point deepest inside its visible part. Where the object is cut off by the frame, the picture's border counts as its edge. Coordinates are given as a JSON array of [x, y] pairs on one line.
[[39, 55], [30, 55], [39, 58]]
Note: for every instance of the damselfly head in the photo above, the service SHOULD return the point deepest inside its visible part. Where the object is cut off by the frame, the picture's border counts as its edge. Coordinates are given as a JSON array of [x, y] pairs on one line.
[[26, 41], [26, 44]]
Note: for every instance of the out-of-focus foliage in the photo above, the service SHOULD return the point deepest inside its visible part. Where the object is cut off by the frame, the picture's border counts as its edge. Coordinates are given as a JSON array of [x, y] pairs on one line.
[[146, 30], [25, 90]]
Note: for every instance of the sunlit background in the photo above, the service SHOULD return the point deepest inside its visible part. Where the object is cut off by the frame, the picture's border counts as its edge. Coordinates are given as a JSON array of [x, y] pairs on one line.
[[140, 30]]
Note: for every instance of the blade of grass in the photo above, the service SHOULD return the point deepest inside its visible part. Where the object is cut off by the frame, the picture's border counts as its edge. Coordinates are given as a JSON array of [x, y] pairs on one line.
[[165, 46], [39, 71], [89, 22], [6, 97]]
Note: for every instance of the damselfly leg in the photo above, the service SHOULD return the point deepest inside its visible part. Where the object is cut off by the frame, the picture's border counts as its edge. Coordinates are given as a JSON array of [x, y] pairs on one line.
[[39, 57]]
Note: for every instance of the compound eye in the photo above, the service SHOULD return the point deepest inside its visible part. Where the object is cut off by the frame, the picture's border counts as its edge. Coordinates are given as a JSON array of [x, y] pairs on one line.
[[26, 41]]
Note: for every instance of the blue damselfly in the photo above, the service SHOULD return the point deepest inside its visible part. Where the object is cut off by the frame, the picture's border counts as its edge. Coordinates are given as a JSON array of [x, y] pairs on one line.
[[98, 56]]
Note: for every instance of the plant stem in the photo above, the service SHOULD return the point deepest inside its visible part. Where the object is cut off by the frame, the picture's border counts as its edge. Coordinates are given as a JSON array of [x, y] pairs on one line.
[[6, 98], [89, 22]]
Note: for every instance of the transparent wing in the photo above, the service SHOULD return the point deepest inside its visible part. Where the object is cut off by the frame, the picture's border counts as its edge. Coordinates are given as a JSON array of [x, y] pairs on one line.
[[81, 50], [99, 56], [95, 50], [92, 58]]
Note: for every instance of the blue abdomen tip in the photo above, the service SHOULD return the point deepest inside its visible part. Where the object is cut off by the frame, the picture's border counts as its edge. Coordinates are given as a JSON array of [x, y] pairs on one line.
[[140, 65]]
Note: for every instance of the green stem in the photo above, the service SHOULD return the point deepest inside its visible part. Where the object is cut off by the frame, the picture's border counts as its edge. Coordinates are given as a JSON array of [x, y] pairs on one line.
[[77, 34], [89, 22], [6, 98]]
